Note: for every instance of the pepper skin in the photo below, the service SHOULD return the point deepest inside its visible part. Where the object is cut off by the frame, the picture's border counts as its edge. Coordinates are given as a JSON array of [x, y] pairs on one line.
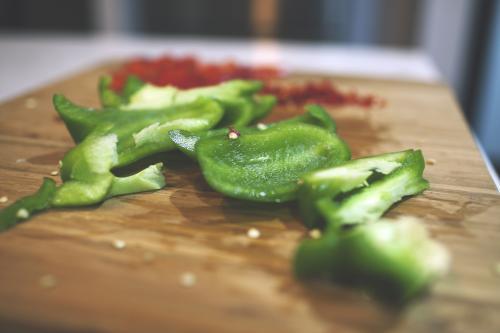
[[314, 115], [29, 205], [393, 260], [111, 138], [109, 98], [265, 165], [237, 97], [134, 125], [360, 190]]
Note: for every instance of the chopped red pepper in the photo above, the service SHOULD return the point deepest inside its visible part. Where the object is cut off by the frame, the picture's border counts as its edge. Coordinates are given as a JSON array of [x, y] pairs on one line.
[[188, 72], [319, 92]]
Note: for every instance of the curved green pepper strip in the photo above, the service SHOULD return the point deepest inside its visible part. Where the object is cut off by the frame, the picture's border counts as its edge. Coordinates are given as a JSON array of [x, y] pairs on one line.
[[394, 261], [88, 179], [238, 112], [372, 201], [265, 165], [320, 189], [262, 105], [24, 208], [112, 138], [148, 179], [106, 140], [315, 115], [237, 97], [143, 133], [241, 112]]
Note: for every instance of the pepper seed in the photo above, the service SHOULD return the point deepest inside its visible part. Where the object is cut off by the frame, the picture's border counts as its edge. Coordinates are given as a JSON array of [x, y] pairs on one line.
[[48, 281], [430, 161], [496, 268], [119, 244], [261, 126], [315, 233], [233, 134], [31, 103], [22, 213], [4, 199], [54, 173], [187, 279], [253, 233]]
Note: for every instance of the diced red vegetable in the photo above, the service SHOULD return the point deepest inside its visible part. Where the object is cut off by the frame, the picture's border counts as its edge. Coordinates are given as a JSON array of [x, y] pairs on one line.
[[188, 72]]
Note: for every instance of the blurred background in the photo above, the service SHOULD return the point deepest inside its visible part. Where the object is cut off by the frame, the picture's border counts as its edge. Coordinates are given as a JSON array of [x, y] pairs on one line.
[[460, 37]]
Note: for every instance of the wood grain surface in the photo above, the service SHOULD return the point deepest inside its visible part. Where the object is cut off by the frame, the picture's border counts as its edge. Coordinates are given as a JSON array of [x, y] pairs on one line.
[[60, 272]]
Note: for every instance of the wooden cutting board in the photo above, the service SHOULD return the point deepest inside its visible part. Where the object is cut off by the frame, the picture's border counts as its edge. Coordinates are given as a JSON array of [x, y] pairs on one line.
[[60, 272]]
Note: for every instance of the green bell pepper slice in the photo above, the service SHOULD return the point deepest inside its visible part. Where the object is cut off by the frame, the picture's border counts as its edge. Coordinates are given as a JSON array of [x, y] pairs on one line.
[[112, 138], [109, 139], [265, 165], [360, 190], [314, 115], [393, 260], [237, 97]]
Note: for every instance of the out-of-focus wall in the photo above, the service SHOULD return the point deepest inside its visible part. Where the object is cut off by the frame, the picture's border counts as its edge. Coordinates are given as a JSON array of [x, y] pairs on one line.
[[445, 32], [487, 106], [55, 16]]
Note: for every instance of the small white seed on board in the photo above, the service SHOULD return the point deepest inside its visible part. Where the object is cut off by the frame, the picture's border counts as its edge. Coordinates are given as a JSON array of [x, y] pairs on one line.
[[47, 281], [31, 103], [119, 244], [253, 233], [496, 268], [4, 199], [430, 161], [187, 279], [54, 173]]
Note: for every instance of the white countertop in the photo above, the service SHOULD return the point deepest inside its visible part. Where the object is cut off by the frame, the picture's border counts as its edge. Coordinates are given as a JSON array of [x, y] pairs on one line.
[[30, 61]]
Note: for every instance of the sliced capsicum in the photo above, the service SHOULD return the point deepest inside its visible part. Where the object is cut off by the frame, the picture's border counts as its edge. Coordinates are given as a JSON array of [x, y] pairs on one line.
[[112, 138], [360, 190], [394, 260], [314, 115], [263, 163], [237, 97], [266, 165]]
